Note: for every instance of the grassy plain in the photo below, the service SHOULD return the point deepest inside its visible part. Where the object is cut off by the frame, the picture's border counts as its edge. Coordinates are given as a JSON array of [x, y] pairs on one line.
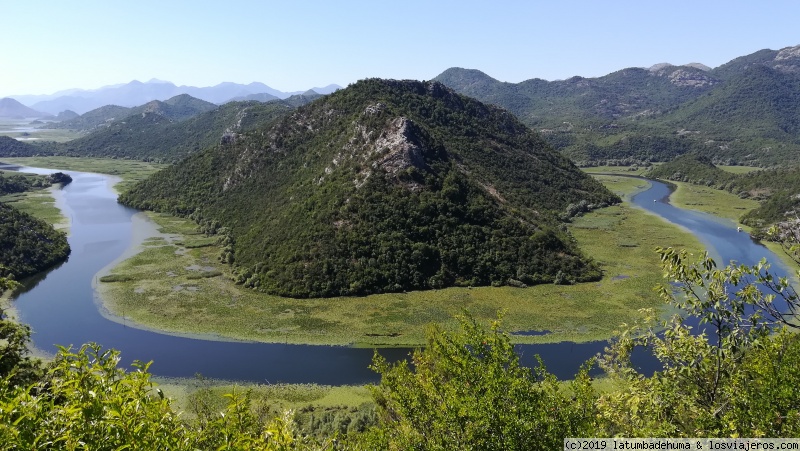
[[173, 285]]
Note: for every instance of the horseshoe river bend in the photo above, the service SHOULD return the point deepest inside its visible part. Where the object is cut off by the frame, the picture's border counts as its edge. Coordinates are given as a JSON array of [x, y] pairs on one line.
[[61, 305]]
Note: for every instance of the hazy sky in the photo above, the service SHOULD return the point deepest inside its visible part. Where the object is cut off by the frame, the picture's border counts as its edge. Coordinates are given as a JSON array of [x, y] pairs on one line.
[[295, 45]]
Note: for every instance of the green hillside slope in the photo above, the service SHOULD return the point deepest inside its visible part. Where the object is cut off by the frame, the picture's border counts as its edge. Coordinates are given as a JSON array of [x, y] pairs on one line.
[[151, 136], [385, 186], [743, 112]]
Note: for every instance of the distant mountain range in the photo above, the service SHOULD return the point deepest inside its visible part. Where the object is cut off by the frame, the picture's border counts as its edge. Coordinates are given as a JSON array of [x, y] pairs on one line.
[[153, 136], [11, 108], [157, 131], [138, 93], [746, 111]]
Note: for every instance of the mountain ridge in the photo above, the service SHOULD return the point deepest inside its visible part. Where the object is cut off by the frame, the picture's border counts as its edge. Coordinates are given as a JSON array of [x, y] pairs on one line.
[[637, 115], [10, 107], [136, 93]]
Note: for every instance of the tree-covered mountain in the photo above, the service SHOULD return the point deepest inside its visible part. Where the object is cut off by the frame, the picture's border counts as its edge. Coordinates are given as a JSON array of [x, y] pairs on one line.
[[754, 112], [153, 137], [93, 119], [297, 100], [28, 245], [786, 60], [742, 112], [594, 119], [262, 97], [178, 108], [66, 115], [384, 186], [11, 183], [584, 102], [165, 131]]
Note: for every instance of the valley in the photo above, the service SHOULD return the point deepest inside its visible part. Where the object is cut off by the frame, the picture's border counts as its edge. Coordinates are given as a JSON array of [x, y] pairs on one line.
[[172, 281], [390, 255], [173, 278]]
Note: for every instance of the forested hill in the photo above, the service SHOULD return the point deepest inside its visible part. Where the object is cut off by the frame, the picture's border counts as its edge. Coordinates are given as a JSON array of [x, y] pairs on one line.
[[10, 147], [28, 245], [584, 102], [385, 186], [93, 119], [153, 136], [745, 111], [759, 104], [178, 108]]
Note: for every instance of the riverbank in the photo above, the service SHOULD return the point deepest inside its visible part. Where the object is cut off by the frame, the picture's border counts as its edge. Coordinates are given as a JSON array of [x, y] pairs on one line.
[[129, 172], [719, 203], [175, 284]]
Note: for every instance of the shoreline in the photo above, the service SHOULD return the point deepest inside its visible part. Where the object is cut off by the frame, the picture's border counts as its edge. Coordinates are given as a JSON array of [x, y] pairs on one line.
[[143, 228], [584, 312]]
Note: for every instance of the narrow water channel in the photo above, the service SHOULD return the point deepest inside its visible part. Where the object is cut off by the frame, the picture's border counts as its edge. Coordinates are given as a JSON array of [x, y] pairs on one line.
[[61, 307]]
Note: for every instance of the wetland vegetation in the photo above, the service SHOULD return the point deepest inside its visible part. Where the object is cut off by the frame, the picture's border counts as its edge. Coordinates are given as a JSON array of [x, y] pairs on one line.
[[175, 284]]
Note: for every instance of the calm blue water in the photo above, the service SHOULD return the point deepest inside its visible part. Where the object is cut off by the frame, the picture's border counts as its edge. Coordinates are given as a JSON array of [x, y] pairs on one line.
[[60, 305]]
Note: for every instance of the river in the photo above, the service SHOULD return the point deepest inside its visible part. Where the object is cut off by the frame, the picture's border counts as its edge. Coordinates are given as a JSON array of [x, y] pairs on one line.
[[61, 306]]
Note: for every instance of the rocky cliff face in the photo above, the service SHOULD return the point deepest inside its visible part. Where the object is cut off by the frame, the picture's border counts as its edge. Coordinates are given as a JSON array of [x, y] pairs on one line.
[[788, 60], [690, 76]]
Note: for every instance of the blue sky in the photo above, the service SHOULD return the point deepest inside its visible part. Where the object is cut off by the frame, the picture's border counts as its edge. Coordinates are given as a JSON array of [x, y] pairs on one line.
[[295, 45]]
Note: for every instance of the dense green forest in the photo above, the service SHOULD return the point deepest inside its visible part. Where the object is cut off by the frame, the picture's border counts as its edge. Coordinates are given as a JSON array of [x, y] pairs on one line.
[[385, 186], [777, 189], [10, 147], [28, 245], [743, 112], [465, 390]]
